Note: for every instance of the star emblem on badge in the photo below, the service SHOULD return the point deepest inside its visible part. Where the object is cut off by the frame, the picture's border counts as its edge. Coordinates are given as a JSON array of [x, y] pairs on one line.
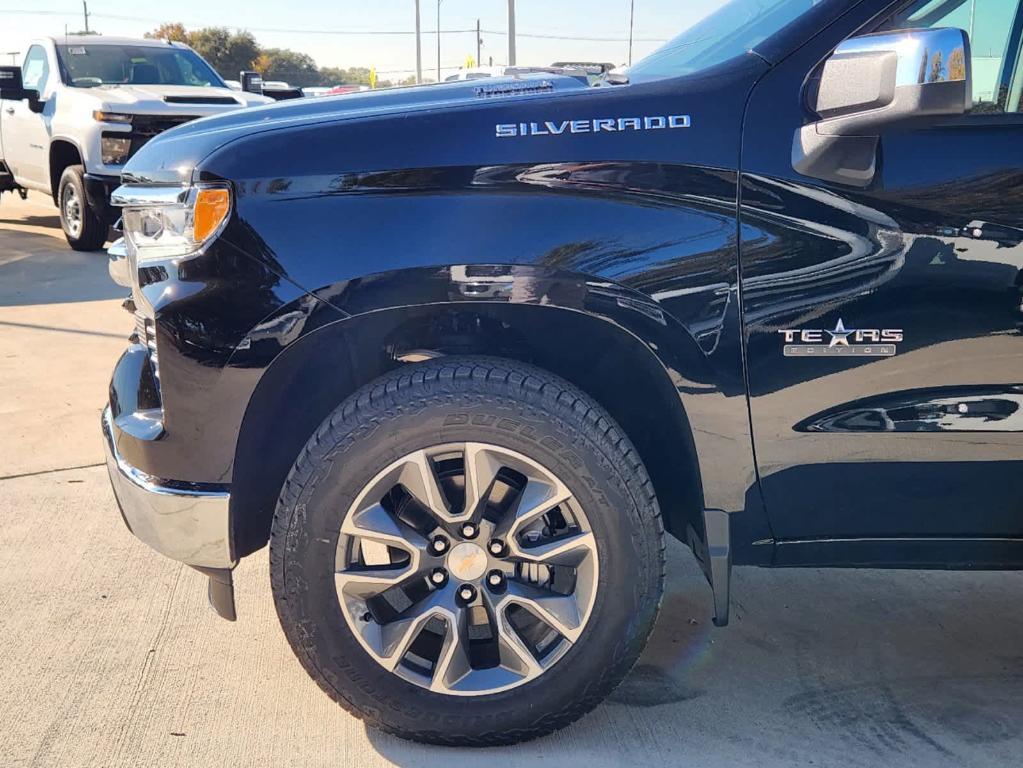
[[840, 335]]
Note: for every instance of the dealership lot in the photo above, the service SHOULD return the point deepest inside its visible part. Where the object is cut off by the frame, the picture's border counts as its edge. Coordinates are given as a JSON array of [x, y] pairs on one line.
[[110, 655]]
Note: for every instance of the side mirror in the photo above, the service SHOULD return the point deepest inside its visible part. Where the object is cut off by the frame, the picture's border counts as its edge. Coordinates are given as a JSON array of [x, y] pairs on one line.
[[252, 82], [877, 81], [12, 89]]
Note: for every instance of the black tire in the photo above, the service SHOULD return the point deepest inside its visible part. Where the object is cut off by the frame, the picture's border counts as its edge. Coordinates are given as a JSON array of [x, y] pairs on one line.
[[88, 232], [538, 415]]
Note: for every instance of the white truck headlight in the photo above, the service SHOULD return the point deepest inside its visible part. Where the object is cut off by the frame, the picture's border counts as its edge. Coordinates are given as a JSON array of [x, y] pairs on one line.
[[111, 117], [168, 222]]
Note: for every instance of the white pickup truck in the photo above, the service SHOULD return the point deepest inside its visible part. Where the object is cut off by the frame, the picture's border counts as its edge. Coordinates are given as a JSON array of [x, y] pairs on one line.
[[80, 106]]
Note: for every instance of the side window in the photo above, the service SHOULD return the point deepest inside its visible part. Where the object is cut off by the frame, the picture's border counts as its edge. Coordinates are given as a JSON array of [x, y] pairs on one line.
[[990, 24], [36, 69]]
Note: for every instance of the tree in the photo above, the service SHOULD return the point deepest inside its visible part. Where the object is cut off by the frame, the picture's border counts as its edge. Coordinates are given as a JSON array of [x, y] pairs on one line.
[[228, 52], [297, 69], [170, 31], [342, 76], [937, 69], [350, 76], [957, 64]]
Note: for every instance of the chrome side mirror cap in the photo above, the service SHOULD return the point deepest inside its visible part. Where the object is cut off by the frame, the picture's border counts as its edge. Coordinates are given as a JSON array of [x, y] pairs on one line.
[[877, 81]]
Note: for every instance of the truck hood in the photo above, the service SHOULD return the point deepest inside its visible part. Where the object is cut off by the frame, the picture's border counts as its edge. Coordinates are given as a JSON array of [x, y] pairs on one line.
[[171, 99], [173, 155]]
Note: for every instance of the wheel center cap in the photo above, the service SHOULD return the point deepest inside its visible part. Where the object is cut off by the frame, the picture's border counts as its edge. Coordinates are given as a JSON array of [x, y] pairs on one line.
[[467, 561]]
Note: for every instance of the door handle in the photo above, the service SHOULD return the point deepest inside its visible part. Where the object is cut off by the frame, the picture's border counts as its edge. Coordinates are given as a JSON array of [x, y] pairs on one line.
[[9, 110]]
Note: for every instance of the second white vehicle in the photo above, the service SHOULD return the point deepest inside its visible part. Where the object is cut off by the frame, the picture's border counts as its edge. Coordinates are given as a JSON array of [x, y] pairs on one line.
[[80, 106]]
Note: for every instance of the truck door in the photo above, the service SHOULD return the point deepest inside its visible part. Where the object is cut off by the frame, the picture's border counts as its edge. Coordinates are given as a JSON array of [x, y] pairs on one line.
[[26, 133], [917, 443]]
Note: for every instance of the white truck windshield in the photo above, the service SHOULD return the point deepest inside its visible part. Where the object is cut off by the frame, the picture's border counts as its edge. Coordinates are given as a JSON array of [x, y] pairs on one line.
[[88, 66]]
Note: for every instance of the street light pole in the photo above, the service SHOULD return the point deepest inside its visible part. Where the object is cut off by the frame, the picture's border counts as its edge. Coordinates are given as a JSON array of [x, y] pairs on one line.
[[438, 39], [511, 33], [632, 16], [419, 48]]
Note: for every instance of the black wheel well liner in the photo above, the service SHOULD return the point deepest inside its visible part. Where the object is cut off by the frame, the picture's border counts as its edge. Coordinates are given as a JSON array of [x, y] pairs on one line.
[[62, 154], [313, 376]]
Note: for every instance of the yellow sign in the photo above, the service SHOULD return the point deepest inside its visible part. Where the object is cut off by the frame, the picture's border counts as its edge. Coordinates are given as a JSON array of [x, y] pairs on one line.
[[373, 77]]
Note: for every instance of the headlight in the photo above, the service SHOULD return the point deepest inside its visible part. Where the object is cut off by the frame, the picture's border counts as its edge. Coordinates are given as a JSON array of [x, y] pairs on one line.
[[171, 222], [111, 117], [114, 151]]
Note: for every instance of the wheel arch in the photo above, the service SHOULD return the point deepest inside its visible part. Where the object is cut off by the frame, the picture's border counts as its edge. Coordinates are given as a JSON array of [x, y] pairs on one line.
[[63, 153], [607, 361]]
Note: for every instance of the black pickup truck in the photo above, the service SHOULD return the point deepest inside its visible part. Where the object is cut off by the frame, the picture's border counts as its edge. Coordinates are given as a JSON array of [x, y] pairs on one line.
[[462, 354]]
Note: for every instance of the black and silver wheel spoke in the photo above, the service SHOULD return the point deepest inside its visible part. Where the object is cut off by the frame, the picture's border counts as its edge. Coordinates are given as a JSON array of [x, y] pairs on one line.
[[466, 568], [417, 475], [394, 638], [560, 612]]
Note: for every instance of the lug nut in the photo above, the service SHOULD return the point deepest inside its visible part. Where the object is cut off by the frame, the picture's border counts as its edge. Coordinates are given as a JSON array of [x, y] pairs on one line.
[[467, 593], [439, 545], [496, 547], [439, 576], [469, 530], [495, 579]]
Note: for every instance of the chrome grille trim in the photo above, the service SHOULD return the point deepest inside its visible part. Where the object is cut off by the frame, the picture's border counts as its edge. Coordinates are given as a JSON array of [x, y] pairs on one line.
[[145, 334]]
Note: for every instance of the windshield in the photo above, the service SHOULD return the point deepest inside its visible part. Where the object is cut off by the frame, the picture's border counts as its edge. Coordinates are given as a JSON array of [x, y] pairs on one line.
[[729, 32], [86, 66]]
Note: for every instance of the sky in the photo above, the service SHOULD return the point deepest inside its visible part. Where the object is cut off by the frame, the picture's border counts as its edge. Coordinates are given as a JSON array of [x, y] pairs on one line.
[[333, 32]]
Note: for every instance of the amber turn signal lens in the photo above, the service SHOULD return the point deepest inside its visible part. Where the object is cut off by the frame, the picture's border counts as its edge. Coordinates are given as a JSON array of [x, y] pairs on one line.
[[211, 207]]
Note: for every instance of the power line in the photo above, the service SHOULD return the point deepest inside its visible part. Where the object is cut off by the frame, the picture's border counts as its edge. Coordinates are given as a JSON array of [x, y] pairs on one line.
[[580, 37], [356, 32]]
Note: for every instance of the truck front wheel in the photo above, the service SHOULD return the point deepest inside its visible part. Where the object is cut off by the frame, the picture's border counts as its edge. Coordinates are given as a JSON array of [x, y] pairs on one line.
[[468, 551], [84, 230]]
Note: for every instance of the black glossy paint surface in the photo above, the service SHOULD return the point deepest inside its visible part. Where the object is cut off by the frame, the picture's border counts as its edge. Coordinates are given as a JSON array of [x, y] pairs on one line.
[[929, 441], [360, 225], [637, 228]]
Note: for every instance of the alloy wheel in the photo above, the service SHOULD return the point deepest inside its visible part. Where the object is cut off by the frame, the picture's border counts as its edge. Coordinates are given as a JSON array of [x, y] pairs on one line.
[[71, 206], [466, 569]]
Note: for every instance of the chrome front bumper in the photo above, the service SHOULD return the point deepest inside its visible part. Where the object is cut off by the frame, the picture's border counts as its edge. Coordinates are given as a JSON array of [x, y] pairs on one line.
[[118, 265], [185, 524]]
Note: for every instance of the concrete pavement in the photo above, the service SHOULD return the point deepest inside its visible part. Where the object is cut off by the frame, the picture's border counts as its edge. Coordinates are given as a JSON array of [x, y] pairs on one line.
[[109, 655]]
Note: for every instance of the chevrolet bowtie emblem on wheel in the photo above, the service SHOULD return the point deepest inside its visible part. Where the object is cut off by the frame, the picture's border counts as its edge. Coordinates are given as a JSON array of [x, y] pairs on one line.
[[843, 342], [593, 125]]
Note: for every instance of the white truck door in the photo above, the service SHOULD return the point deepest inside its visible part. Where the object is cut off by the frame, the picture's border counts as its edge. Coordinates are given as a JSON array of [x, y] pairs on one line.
[[26, 133]]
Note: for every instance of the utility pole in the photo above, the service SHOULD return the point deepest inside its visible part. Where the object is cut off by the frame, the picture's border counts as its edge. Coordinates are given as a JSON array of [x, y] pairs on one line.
[[419, 48], [438, 39], [85, 11], [511, 33], [479, 44], [632, 17]]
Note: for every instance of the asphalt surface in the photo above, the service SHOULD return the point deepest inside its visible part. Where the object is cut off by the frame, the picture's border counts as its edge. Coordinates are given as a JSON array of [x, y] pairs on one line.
[[110, 656]]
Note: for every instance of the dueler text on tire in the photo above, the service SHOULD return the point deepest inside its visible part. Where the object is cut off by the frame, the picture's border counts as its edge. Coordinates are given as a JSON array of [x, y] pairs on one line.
[[468, 551]]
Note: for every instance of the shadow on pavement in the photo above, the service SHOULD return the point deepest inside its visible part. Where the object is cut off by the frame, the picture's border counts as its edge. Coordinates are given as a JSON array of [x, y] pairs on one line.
[[40, 269], [37, 220], [827, 668]]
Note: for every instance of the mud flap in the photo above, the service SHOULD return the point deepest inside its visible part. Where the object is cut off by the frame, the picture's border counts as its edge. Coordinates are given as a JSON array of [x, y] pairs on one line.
[[714, 553]]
